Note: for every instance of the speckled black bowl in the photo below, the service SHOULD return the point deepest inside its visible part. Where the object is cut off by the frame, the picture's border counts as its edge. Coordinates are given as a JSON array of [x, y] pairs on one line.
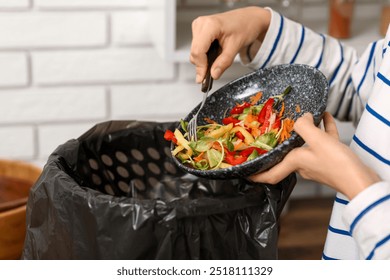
[[309, 91]]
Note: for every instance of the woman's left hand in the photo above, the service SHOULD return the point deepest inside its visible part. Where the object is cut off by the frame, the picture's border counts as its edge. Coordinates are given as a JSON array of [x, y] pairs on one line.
[[324, 159]]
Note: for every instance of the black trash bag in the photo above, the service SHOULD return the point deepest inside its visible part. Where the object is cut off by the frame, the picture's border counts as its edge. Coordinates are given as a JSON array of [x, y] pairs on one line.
[[115, 193]]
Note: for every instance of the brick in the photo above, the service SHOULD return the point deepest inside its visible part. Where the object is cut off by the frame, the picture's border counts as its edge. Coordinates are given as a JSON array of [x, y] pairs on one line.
[[90, 3], [17, 142], [53, 135], [47, 30], [128, 28], [14, 4], [52, 104], [162, 102], [13, 69], [100, 66]]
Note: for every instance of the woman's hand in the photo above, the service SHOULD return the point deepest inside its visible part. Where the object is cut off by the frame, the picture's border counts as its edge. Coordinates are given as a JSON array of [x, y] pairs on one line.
[[324, 159], [235, 30]]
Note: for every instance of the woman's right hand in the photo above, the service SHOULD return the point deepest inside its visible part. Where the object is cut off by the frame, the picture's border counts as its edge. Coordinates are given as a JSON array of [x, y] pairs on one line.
[[235, 30]]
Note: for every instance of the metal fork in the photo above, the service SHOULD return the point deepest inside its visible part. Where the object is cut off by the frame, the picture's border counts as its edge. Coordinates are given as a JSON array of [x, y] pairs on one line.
[[206, 87]]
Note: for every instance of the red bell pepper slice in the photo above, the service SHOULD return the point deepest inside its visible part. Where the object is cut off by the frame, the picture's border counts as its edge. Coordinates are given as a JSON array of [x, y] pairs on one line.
[[266, 121], [247, 152], [230, 119], [238, 109], [267, 107], [170, 136], [240, 136], [277, 123], [233, 158]]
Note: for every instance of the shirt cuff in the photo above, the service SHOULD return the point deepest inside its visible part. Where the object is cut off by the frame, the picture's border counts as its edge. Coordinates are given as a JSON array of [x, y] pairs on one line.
[[364, 199]]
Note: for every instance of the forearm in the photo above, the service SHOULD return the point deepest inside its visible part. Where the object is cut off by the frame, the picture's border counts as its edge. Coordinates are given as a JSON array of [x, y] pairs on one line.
[[289, 42]]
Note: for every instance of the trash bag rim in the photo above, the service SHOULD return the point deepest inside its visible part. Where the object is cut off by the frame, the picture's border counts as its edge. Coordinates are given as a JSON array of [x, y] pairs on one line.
[[184, 207]]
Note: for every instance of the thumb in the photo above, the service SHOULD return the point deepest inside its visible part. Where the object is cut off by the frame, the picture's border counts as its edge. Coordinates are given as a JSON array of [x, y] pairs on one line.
[[330, 125], [305, 127]]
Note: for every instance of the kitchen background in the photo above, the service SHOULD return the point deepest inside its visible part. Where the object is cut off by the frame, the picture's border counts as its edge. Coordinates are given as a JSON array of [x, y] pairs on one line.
[[66, 65]]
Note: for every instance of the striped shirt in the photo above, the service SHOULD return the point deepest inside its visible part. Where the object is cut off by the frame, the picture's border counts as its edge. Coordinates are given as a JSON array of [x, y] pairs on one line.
[[359, 91]]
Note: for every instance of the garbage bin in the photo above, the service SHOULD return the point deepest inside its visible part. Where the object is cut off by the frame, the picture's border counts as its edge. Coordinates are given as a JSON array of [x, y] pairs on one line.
[[115, 193]]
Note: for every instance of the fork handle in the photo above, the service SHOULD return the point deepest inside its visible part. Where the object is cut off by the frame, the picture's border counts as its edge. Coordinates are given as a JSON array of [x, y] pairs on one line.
[[212, 54]]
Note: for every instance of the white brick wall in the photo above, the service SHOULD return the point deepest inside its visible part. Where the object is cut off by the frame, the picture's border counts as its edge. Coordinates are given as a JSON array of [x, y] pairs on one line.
[[128, 28], [52, 105], [17, 142], [48, 30], [66, 65], [13, 69], [14, 4], [100, 66], [87, 4]]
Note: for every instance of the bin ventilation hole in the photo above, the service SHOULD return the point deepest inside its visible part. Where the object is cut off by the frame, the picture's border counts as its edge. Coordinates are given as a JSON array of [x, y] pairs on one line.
[[154, 168], [124, 186], [137, 154], [167, 151], [121, 157], [96, 179], [93, 164], [122, 171], [110, 175], [138, 184], [153, 153], [153, 182], [107, 160], [109, 190], [138, 169], [170, 167]]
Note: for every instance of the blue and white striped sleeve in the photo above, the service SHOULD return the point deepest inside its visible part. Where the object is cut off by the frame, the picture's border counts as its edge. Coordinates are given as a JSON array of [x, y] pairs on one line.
[[287, 41], [358, 92], [368, 218], [365, 217]]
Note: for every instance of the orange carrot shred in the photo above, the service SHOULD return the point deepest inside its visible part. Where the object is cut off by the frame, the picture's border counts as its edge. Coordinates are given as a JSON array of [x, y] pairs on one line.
[[238, 145], [255, 132], [208, 120], [250, 118], [281, 110], [254, 99], [199, 157], [298, 109], [288, 126], [217, 146]]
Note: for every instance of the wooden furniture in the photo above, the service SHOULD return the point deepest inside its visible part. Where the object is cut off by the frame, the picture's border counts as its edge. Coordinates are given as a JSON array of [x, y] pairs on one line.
[[16, 179], [303, 228]]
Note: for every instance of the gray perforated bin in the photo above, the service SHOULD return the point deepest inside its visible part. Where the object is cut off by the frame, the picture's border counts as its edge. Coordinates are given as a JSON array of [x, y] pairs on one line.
[[115, 193]]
